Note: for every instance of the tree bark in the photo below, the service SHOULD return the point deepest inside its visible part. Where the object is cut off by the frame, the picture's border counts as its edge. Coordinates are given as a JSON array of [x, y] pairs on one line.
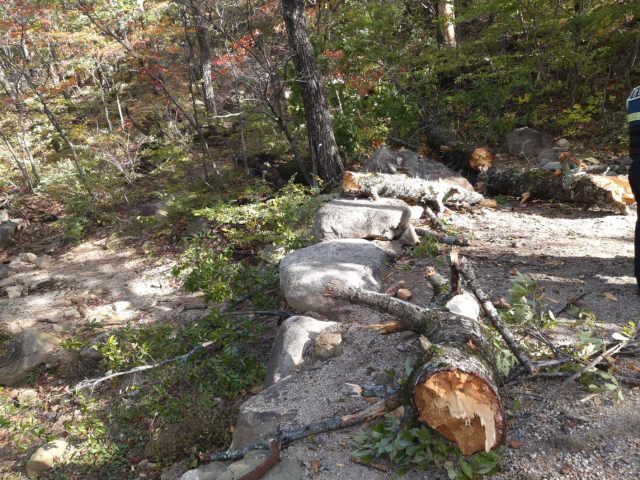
[[446, 16], [454, 387], [204, 41], [322, 143], [434, 193], [565, 187]]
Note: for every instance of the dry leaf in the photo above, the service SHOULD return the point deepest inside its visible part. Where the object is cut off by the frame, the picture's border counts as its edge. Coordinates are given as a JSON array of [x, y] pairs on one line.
[[554, 263], [315, 464], [597, 401], [610, 296], [525, 197], [472, 345], [340, 465], [515, 444], [610, 359], [513, 271]]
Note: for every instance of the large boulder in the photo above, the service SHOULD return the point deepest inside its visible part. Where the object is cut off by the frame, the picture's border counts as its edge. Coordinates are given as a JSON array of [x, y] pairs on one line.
[[47, 456], [305, 273], [7, 229], [527, 141], [384, 160], [286, 469], [383, 219], [289, 345], [25, 353]]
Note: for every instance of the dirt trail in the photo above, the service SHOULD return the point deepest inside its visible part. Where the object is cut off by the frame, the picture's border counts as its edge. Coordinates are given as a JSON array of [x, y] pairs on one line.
[[569, 251]]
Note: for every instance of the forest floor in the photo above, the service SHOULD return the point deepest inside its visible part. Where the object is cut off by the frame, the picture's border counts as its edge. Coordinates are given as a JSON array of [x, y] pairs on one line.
[[568, 251]]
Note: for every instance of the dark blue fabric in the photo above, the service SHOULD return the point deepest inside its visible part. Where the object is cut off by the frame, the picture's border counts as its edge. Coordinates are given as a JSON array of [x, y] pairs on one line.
[[634, 180]]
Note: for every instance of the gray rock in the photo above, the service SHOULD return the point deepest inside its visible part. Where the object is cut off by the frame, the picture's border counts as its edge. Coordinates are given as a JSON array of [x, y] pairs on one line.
[[272, 255], [253, 426], [547, 155], [625, 160], [27, 257], [385, 160], [43, 261], [289, 345], [41, 284], [8, 282], [13, 292], [7, 229], [158, 208], [465, 305], [328, 345], [552, 166], [526, 141], [383, 219], [562, 144], [27, 397], [173, 472], [286, 469], [46, 456], [4, 272], [25, 353], [90, 352], [4, 215], [305, 273], [196, 227]]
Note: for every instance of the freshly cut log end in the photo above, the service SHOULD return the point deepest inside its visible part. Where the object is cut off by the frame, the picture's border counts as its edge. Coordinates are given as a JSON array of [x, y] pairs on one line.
[[462, 408], [454, 393]]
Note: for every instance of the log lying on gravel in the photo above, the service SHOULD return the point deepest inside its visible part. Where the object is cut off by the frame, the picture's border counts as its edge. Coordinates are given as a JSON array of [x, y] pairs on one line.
[[454, 386], [562, 187], [434, 193]]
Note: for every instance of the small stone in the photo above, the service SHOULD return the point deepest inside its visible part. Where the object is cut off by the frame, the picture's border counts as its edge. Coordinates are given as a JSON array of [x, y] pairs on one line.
[[256, 390], [40, 284], [328, 345], [425, 344], [121, 306], [27, 397], [43, 261], [46, 456], [488, 203], [71, 313], [27, 257], [563, 144], [404, 294], [58, 328], [17, 265], [13, 292]]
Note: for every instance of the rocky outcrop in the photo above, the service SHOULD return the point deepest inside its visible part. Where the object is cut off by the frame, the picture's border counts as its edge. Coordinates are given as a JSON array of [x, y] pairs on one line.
[[286, 469], [25, 353], [305, 273], [383, 219]]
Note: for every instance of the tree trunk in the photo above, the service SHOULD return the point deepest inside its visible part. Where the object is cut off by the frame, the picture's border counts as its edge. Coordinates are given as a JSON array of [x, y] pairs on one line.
[[322, 143], [454, 387], [446, 16], [204, 41], [565, 187], [434, 193]]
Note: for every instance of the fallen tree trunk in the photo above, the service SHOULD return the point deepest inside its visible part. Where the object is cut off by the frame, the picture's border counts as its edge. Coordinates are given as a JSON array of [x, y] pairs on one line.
[[434, 193], [562, 187], [454, 387]]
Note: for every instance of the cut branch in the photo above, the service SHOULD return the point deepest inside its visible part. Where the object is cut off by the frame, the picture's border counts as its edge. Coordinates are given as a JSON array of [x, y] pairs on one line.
[[466, 270], [331, 424]]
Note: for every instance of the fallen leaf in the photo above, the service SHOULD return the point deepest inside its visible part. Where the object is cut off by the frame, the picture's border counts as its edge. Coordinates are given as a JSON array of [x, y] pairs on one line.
[[315, 464], [472, 345], [513, 271], [525, 197], [554, 263], [515, 444], [610, 359], [610, 296], [340, 465], [488, 203], [597, 401]]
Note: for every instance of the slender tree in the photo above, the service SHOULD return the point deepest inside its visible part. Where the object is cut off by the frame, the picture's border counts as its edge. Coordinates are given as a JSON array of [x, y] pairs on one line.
[[325, 157]]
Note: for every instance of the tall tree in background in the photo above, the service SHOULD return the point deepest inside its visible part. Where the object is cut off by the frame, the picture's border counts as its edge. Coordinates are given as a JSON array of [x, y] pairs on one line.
[[325, 157], [446, 16]]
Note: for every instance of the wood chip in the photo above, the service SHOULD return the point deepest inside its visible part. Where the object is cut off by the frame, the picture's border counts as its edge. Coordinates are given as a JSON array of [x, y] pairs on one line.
[[315, 464], [610, 296], [515, 444]]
